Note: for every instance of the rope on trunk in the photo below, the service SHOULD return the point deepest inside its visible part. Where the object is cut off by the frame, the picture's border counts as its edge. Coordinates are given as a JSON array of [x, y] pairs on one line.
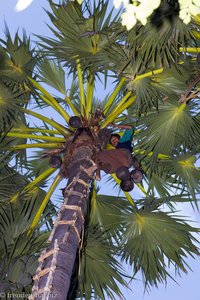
[[60, 222], [45, 293], [42, 273], [39, 273], [73, 207], [71, 192], [90, 171], [68, 192], [45, 255], [83, 182], [36, 282], [72, 223], [50, 276]]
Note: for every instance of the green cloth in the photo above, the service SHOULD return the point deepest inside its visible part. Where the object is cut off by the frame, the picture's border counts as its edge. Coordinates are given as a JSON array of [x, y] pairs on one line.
[[127, 135]]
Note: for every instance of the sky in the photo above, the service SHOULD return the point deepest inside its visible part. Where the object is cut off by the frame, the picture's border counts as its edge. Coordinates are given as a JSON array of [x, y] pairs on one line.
[[33, 19]]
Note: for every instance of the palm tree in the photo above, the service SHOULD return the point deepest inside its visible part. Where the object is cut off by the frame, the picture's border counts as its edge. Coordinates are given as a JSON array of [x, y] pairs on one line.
[[156, 83]]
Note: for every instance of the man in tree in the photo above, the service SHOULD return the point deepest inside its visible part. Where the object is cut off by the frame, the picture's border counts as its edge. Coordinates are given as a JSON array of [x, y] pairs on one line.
[[120, 159], [124, 141]]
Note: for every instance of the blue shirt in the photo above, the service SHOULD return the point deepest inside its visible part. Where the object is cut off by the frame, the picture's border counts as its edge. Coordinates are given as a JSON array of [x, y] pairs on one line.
[[125, 141]]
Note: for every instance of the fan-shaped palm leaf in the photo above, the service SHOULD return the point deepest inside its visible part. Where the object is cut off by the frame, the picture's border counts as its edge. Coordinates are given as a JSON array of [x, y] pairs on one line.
[[152, 240], [107, 212], [173, 126], [83, 36], [53, 75]]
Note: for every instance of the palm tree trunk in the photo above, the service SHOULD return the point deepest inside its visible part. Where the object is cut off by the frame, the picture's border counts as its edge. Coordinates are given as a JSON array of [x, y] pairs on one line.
[[52, 279]]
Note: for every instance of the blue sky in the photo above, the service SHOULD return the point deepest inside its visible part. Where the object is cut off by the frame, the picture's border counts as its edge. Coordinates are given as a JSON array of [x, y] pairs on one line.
[[33, 19]]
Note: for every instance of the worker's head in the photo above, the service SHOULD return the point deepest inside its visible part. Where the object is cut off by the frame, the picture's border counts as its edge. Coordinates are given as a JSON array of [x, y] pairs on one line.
[[114, 140]]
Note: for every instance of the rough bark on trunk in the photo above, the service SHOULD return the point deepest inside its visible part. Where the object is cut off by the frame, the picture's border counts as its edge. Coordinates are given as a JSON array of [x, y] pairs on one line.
[[52, 279]]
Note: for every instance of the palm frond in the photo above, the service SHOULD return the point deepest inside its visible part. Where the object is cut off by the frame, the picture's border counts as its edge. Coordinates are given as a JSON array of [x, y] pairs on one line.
[[52, 74], [18, 252], [186, 175], [158, 47], [100, 273], [152, 203], [19, 59], [81, 34], [154, 240], [11, 182], [107, 212], [9, 107], [151, 90], [177, 124]]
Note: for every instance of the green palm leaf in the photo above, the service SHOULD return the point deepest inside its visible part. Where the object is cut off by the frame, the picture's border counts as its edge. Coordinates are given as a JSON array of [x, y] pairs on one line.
[[171, 175], [158, 47], [83, 36], [152, 89], [7, 109], [184, 172], [53, 75], [17, 61], [18, 251], [152, 240], [100, 273], [177, 124], [107, 212]]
